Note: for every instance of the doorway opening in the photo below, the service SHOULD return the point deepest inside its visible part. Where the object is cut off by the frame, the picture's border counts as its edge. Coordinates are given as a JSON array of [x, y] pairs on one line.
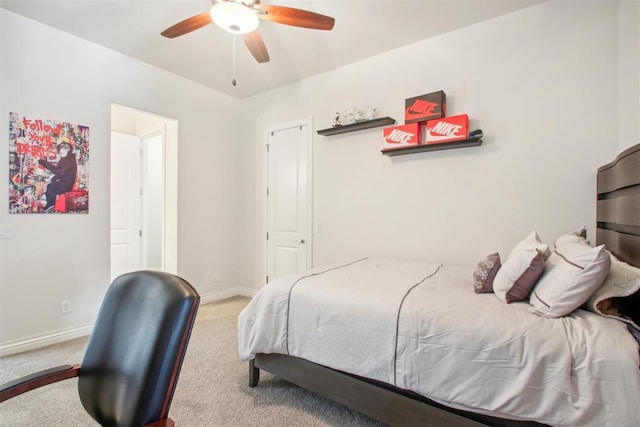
[[143, 191]]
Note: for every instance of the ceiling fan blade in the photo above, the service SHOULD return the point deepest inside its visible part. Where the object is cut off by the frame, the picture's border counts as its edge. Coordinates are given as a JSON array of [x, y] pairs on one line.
[[256, 46], [188, 25], [295, 17]]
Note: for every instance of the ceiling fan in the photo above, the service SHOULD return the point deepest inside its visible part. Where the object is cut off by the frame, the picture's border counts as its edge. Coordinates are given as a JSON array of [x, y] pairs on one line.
[[242, 17]]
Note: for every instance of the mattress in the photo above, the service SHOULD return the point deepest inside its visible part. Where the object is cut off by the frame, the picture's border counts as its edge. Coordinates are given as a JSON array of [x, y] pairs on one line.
[[420, 326]]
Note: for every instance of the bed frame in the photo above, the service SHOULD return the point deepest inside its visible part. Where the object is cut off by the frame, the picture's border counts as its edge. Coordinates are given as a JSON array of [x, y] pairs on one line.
[[618, 227]]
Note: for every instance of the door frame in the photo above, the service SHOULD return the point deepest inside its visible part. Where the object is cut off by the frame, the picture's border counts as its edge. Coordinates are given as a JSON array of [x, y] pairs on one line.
[[265, 183], [144, 149], [130, 120]]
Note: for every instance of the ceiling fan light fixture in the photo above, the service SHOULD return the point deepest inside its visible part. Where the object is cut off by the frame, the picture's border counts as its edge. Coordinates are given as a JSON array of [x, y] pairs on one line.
[[234, 18]]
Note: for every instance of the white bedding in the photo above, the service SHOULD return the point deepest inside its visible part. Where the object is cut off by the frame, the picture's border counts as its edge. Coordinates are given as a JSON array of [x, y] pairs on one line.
[[420, 326]]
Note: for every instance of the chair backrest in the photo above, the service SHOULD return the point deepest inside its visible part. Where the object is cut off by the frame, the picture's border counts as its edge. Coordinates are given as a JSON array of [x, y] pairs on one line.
[[133, 359]]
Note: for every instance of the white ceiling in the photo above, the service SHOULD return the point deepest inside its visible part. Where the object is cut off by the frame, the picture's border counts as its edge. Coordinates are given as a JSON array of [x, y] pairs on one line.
[[363, 28]]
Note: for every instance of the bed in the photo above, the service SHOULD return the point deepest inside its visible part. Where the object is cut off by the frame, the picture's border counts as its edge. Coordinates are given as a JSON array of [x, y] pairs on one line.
[[431, 351]]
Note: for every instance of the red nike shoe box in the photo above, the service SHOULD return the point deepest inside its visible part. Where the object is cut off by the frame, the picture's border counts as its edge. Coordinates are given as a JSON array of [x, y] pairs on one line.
[[446, 129], [425, 107], [401, 136]]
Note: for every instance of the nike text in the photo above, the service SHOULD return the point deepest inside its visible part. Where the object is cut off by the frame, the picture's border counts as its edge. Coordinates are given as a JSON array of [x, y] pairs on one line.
[[399, 136], [444, 128]]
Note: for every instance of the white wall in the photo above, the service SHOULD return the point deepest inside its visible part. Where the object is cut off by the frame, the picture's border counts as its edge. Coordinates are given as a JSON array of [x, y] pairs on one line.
[[49, 74], [543, 85], [629, 72]]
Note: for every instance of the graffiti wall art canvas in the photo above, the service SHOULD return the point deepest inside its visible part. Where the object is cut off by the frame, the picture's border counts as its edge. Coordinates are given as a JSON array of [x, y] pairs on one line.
[[48, 166]]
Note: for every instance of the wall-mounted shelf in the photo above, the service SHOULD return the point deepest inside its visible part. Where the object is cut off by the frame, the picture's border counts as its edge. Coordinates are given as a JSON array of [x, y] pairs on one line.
[[471, 142], [383, 121]]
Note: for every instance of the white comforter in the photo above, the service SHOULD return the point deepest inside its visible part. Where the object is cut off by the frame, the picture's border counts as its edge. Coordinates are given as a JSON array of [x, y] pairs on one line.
[[420, 326]]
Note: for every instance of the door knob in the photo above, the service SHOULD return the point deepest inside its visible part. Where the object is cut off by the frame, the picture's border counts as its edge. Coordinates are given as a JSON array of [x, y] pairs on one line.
[[300, 240]]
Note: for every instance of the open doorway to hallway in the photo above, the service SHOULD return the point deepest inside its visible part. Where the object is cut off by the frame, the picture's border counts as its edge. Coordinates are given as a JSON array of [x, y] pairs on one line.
[[143, 191]]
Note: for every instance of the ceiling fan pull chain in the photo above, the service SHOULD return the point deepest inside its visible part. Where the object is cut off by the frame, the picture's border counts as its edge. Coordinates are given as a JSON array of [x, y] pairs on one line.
[[233, 82]]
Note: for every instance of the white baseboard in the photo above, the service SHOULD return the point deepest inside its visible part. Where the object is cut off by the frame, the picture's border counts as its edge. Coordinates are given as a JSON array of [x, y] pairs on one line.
[[219, 296], [56, 337], [39, 341], [244, 292]]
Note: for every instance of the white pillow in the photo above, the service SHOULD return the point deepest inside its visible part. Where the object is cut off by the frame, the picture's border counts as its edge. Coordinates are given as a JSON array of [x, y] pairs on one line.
[[522, 269], [573, 272], [581, 232]]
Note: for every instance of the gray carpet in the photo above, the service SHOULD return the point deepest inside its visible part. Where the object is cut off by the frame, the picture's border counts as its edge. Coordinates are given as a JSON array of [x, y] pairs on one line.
[[212, 390]]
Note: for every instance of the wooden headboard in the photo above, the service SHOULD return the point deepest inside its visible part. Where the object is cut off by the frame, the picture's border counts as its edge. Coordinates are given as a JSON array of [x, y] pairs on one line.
[[618, 208], [618, 216]]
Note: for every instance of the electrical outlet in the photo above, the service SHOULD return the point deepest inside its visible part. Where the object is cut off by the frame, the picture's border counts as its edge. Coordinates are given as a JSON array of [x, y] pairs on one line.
[[215, 278], [65, 306]]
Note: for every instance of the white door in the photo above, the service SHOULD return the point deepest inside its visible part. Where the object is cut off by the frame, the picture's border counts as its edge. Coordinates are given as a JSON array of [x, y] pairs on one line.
[[153, 202], [126, 175], [288, 200]]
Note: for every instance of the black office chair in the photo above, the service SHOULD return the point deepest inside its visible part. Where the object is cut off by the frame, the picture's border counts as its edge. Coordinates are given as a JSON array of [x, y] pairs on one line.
[[132, 362]]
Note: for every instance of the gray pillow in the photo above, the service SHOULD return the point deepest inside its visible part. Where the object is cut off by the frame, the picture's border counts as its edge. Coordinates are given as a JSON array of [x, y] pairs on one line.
[[485, 272]]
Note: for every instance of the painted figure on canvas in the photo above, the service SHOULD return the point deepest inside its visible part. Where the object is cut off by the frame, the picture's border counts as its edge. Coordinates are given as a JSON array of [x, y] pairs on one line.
[[48, 166], [64, 169]]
